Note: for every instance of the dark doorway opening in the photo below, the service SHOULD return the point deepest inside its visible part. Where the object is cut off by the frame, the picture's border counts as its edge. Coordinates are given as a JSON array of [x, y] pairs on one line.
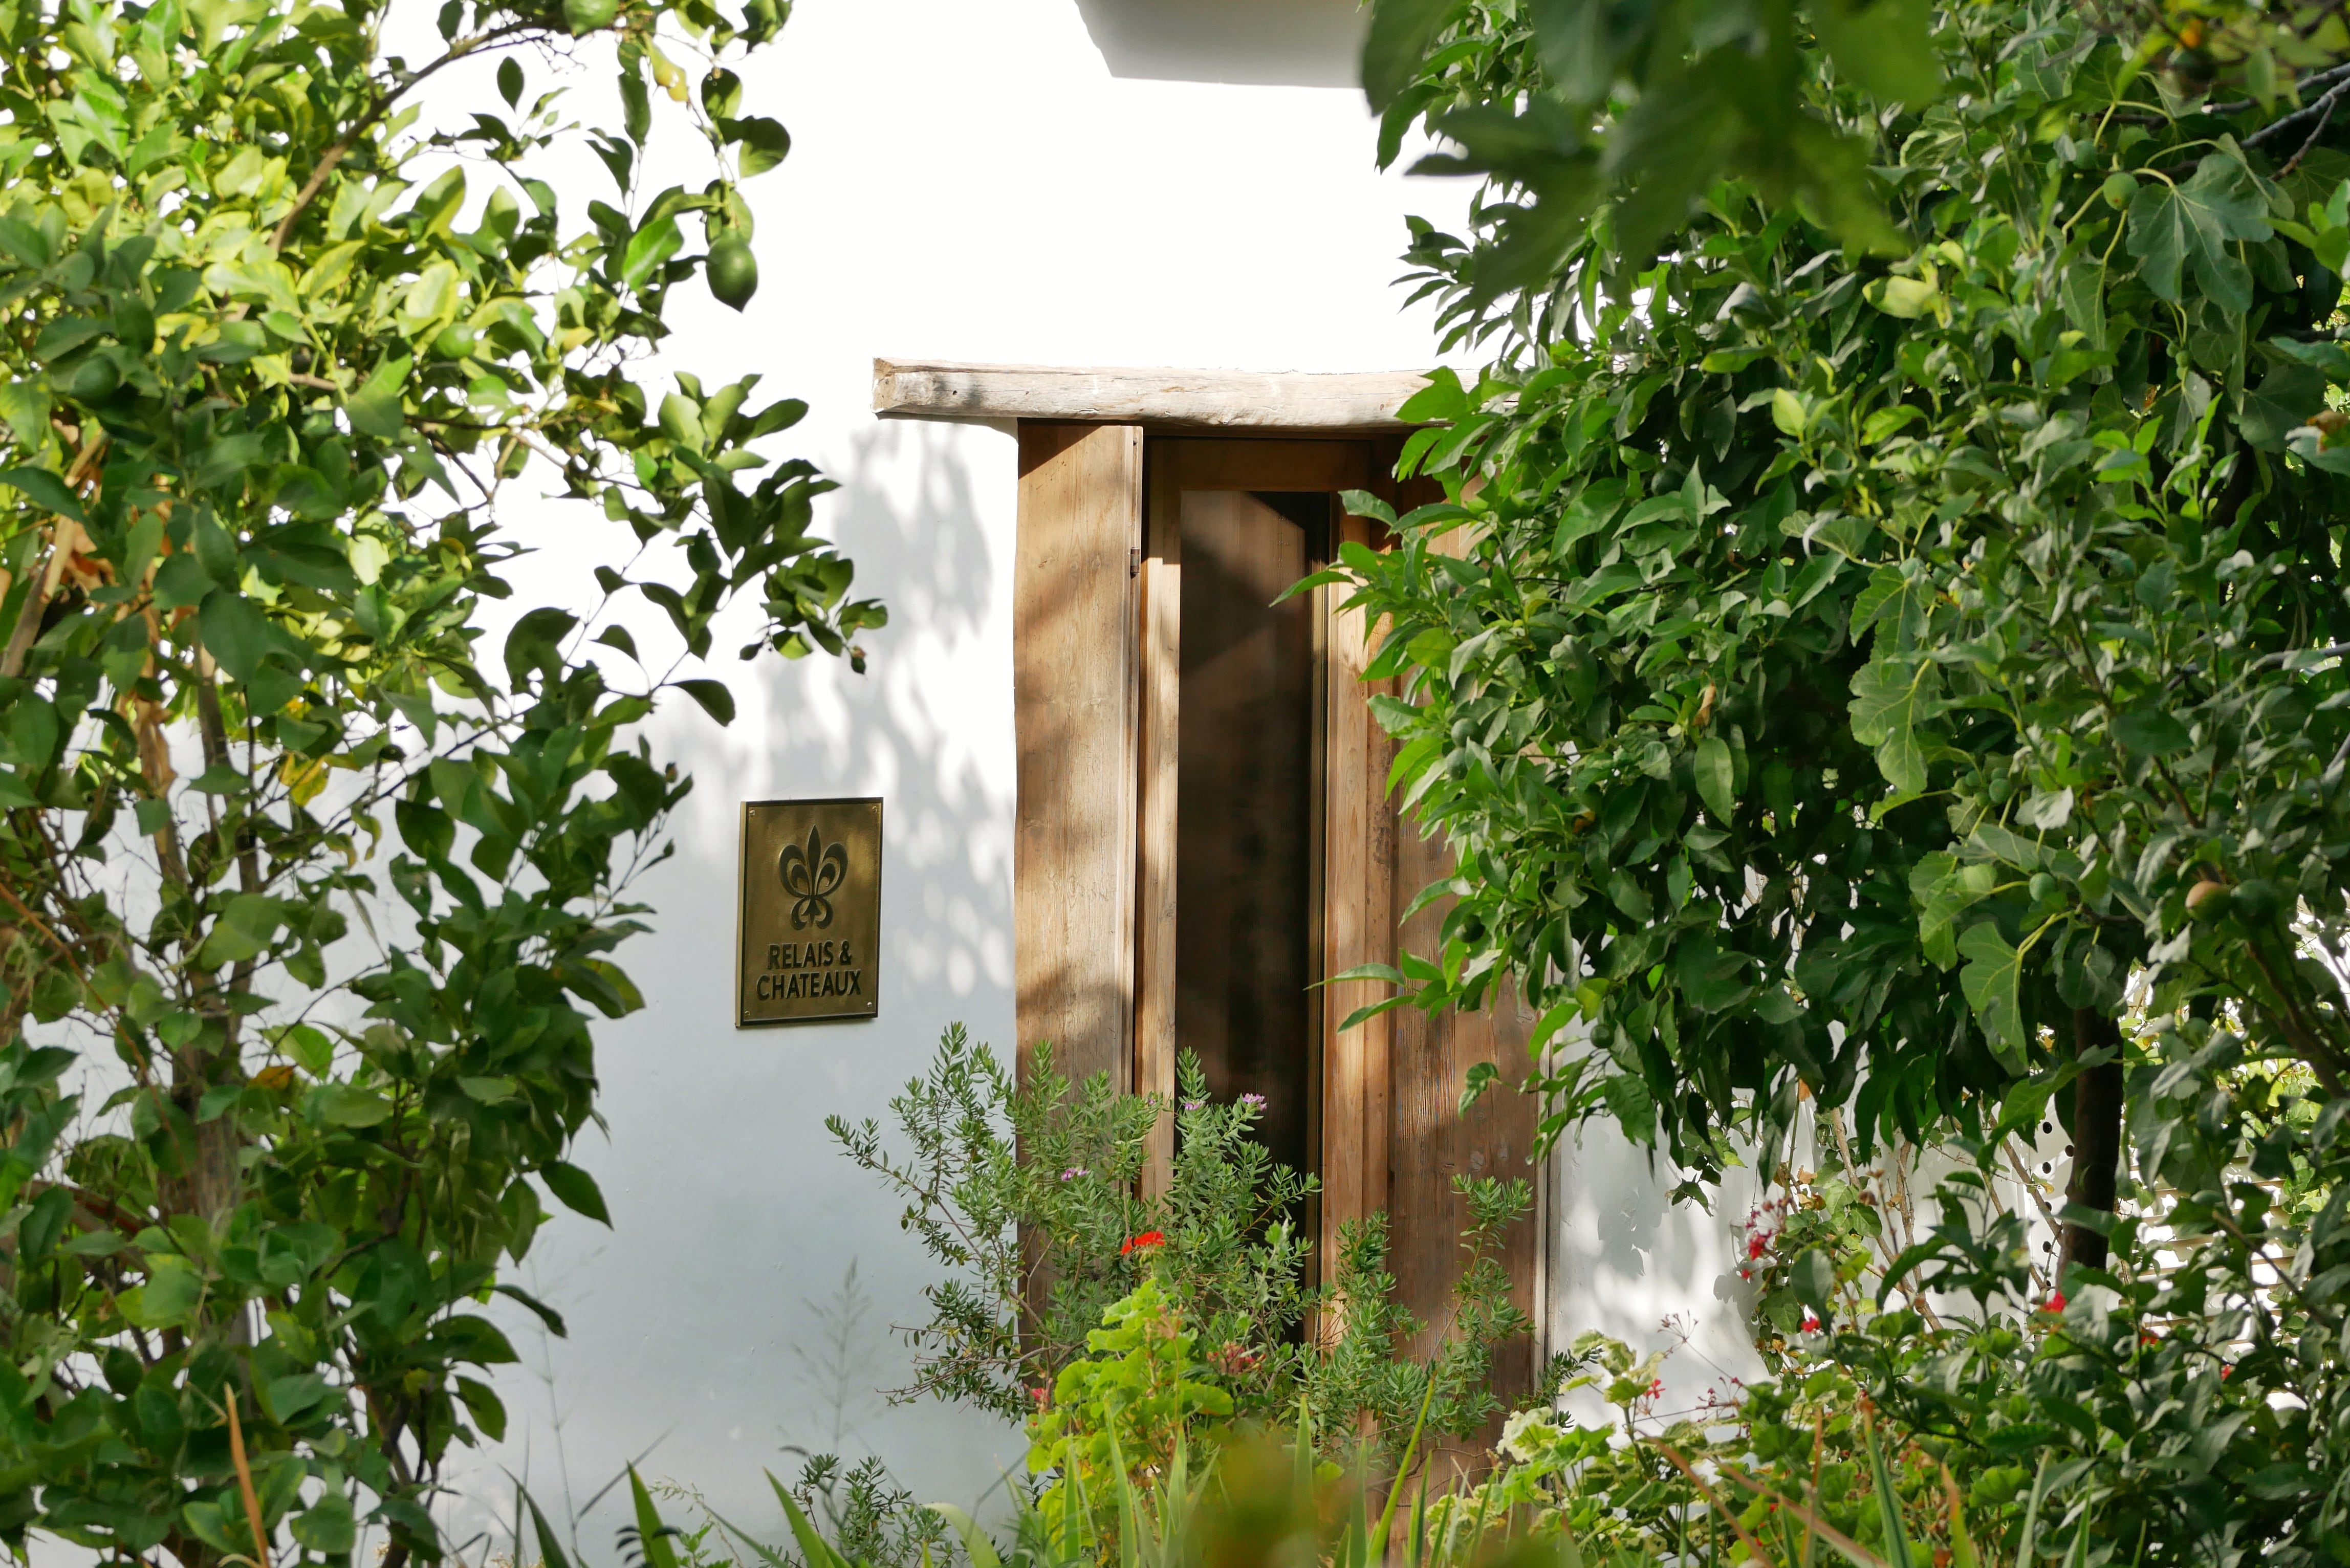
[[1248, 820]]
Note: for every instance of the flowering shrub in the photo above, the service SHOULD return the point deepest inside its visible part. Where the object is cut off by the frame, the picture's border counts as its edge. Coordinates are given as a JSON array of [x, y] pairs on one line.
[[1028, 1200]]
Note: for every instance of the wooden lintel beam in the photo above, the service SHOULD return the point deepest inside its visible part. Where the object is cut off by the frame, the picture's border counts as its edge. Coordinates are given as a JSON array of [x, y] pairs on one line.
[[1187, 399]]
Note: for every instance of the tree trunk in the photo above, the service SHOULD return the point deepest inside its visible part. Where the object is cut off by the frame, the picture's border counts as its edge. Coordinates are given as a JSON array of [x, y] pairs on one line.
[[2097, 1139]]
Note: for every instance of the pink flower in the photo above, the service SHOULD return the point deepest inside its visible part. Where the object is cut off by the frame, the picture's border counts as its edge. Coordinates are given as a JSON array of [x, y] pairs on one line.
[[1233, 1360], [1255, 1102]]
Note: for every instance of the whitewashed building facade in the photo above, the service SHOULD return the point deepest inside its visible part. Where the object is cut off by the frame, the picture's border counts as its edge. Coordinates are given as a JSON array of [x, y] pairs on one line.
[[1182, 184]]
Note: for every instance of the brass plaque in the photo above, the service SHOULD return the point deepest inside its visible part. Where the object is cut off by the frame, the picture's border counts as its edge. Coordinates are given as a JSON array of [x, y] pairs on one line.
[[810, 915]]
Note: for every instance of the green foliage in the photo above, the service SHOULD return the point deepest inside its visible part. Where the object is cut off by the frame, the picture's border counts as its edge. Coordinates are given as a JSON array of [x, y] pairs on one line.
[[1641, 107], [1027, 1199], [2180, 1406], [1840, 673], [2186, 1402], [1123, 1408], [265, 402]]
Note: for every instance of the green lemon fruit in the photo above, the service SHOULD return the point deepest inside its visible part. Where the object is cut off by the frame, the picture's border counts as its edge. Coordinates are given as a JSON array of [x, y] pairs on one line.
[[734, 272]]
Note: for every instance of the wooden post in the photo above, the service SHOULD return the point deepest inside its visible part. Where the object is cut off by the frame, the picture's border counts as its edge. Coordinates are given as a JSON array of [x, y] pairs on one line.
[[1161, 680], [1359, 924]]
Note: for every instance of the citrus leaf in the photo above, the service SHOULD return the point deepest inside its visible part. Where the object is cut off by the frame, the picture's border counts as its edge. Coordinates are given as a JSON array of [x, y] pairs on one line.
[[575, 1191], [1716, 778], [44, 489]]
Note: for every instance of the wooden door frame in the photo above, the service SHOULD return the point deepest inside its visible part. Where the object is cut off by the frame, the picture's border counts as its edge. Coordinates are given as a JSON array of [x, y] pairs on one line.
[[1097, 661], [1129, 964]]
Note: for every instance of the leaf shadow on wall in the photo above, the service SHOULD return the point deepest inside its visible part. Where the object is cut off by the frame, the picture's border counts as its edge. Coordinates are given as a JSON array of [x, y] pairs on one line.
[[1627, 1260], [693, 1322], [1256, 43]]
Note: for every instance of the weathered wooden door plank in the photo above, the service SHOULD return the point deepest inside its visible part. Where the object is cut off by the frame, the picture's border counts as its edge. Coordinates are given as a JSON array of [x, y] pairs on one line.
[[1075, 700]]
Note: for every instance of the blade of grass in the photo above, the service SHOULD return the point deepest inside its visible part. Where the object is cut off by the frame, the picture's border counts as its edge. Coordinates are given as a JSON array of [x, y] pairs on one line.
[[652, 1532], [1477, 1524], [1129, 1547], [1175, 1505], [551, 1548], [1082, 1517], [1819, 1452], [764, 1552], [1570, 1554], [1419, 1542], [2027, 1545], [1386, 1538], [244, 1483], [1888, 1501], [815, 1549], [975, 1543], [1962, 1546]]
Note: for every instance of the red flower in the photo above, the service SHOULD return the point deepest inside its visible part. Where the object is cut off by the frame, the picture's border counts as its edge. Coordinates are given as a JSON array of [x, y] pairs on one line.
[[2056, 1303], [1811, 1322], [1755, 1247], [1148, 1239], [2227, 1372]]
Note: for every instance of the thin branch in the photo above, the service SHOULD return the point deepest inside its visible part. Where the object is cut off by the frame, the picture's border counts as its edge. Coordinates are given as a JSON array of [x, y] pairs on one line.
[[366, 122], [2293, 163], [2320, 111]]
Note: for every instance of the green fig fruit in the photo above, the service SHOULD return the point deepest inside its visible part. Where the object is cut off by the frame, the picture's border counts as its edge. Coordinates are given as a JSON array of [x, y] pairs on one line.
[[2119, 187], [734, 272], [2258, 899]]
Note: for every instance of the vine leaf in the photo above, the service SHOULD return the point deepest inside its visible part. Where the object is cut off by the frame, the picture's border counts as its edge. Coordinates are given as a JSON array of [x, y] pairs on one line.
[[1890, 699], [2175, 227]]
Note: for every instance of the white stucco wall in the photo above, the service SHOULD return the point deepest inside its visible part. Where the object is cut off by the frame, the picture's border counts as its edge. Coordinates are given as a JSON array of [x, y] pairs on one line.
[[1074, 181]]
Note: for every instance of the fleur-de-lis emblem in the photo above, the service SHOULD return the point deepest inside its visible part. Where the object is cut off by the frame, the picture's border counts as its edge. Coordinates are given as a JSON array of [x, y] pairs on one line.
[[812, 874]]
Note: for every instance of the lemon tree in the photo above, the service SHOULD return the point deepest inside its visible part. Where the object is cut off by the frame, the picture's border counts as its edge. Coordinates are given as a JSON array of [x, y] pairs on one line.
[[309, 893]]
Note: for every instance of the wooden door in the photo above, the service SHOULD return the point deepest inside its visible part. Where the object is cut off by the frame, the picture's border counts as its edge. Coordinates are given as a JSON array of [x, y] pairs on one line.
[[1250, 835]]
